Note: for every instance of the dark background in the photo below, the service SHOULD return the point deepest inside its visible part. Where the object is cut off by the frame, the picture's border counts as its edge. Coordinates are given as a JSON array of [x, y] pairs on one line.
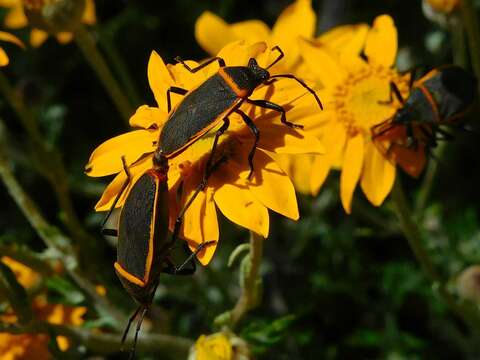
[[335, 286]]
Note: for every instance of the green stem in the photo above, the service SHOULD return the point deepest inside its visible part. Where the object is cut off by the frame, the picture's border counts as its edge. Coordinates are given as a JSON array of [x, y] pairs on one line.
[[102, 343], [428, 181], [121, 69], [414, 237], [250, 297], [459, 52], [48, 161], [470, 20], [87, 45], [53, 238]]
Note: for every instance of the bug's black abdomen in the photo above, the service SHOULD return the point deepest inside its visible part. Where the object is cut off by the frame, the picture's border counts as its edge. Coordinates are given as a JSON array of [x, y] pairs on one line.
[[454, 90], [134, 226], [417, 109], [197, 111]]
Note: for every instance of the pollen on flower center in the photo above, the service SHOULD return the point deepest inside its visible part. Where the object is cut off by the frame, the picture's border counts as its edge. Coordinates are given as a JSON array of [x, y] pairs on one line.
[[362, 100]]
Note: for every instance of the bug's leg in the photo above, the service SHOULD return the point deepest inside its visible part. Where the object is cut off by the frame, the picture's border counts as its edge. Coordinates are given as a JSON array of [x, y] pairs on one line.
[[412, 142], [393, 91], [221, 63], [279, 57], [175, 90], [256, 134], [130, 321], [272, 106], [137, 330], [122, 189], [178, 222], [444, 135], [383, 131], [183, 269]]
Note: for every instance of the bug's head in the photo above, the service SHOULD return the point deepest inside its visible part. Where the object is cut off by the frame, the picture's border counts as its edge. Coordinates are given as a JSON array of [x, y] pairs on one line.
[[259, 73]]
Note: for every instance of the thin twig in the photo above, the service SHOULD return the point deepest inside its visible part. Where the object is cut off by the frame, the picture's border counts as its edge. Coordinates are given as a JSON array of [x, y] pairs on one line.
[[53, 238], [103, 343], [413, 234], [250, 296], [87, 45], [470, 20]]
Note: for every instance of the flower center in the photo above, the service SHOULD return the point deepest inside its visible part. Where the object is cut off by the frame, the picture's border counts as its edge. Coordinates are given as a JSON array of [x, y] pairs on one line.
[[363, 100]]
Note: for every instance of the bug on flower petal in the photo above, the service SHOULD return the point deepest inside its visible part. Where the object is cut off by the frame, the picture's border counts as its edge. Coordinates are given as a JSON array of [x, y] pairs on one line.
[[213, 101], [144, 246], [439, 98]]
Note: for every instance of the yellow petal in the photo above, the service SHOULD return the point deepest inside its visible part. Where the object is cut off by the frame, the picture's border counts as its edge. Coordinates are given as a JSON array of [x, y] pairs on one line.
[[282, 139], [320, 170], [250, 30], [159, 79], [378, 175], [107, 158], [323, 64], [333, 137], [238, 204], [3, 58], [297, 20], [15, 18], [64, 37], [147, 117], [299, 169], [4, 36], [212, 33], [112, 190], [239, 52], [381, 44], [89, 14], [273, 187], [38, 37], [196, 228], [351, 170], [207, 221], [346, 38]]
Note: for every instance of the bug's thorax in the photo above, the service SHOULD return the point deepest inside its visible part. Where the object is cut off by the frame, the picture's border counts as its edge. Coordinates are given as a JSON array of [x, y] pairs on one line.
[[243, 80]]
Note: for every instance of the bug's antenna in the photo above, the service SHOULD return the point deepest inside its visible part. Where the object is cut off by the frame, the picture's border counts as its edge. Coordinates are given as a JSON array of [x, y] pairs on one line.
[[301, 82]]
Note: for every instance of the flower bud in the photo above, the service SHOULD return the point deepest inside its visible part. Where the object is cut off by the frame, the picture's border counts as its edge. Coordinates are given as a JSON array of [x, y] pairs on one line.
[[468, 283], [54, 16], [220, 346]]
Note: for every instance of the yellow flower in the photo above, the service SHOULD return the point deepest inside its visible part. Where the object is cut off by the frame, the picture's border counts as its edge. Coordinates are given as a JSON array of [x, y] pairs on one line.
[[25, 276], [245, 202], [4, 36], [219, 346], [16, 19], [214, 347], [35, 346], [297, 20], [356, 93]]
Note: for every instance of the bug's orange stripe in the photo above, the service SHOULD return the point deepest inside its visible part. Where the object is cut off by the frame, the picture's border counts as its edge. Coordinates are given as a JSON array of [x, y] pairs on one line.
[[431, 101], [124, 273], [233, 85]]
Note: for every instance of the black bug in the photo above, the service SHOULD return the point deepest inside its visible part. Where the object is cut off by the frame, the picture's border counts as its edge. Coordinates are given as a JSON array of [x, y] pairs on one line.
[[221, 95], [440, 98]]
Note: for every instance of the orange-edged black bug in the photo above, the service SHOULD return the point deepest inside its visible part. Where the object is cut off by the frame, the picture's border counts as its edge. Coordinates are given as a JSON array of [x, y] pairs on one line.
[[144, 244], [214, 100], [439, 98]]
